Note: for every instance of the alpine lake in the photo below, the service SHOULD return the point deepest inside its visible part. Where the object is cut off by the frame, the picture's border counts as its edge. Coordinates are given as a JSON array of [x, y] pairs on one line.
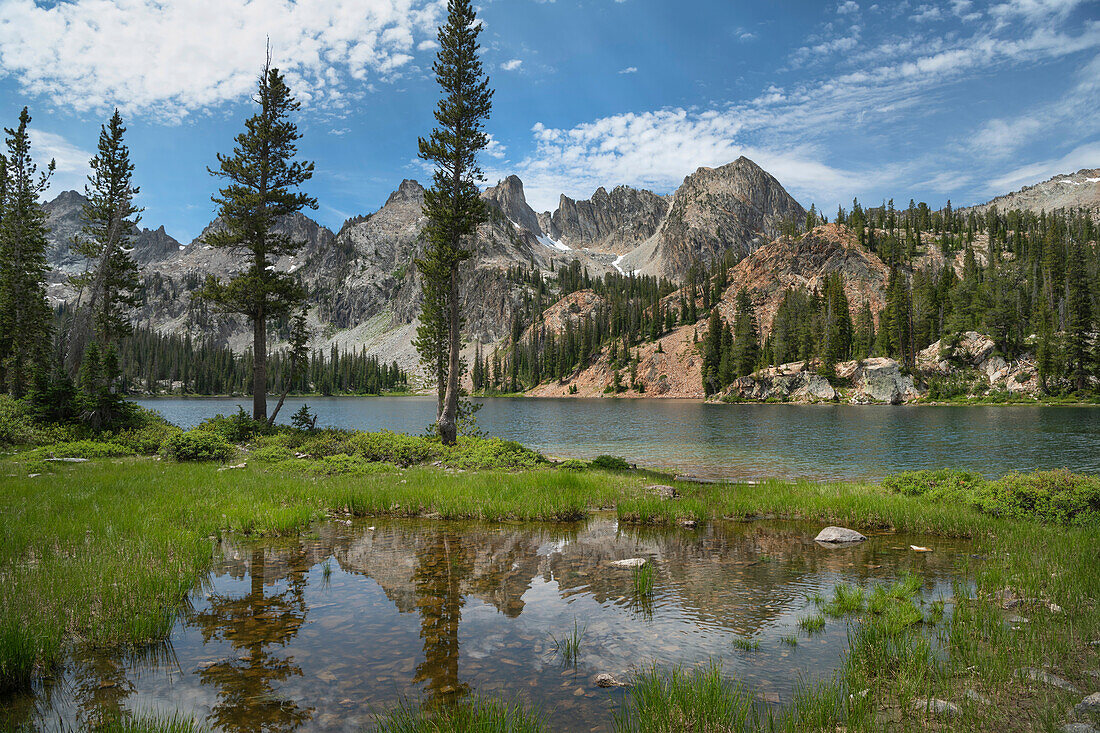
[[328, 630]]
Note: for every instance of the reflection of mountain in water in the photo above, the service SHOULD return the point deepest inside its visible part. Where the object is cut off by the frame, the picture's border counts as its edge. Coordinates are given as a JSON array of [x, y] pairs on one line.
[[450, 607]]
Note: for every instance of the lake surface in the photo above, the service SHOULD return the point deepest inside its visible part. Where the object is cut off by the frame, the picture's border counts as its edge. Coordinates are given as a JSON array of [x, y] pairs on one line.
[[417, 609], [821, 442]]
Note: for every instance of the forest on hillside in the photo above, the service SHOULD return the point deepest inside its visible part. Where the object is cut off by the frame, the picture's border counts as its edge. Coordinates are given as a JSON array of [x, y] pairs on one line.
[[1030, 281]]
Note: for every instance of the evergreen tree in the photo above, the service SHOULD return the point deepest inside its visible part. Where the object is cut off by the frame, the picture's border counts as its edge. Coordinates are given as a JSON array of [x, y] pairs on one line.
[[712, 354], [864, 340], [299, 355], [108, 287], [1078, 316], [746, 337], [25, 317], [453, 205], [264, 178]]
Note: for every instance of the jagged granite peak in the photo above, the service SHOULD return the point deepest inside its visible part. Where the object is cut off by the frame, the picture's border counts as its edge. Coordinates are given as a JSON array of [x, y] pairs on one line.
[[1080, 190], [612, 222], [738, 206], [64, 218], [408, 191], [508, 197]]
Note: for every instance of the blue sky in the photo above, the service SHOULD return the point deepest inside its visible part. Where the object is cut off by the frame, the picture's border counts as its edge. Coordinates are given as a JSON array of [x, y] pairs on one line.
[[936, 100]]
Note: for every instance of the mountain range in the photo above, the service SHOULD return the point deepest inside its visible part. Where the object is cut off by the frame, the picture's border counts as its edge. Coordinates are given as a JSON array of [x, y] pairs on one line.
[[365, 290]]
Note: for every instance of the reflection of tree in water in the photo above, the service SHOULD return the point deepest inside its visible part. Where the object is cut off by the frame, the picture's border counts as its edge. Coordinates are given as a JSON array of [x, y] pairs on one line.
[[253, 625], [101, 686], [441, 564]]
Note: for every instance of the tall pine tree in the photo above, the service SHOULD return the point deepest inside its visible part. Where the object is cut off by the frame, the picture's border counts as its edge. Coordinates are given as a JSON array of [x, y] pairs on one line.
[[25, 316], [264, 178], [108, 286], [453, 204]]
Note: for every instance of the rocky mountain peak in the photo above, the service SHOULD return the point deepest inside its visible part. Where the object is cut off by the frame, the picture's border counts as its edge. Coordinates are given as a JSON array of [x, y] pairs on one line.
[[1080, 190], [408, 191], [738, 206], [508, 196], [615, 221]]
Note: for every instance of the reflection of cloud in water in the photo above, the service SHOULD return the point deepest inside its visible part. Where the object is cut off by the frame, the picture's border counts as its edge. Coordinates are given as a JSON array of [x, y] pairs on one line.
[[441, 608]]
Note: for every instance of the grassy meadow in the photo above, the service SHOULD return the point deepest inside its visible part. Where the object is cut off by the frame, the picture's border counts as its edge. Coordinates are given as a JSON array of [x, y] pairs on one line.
[[103, 550]]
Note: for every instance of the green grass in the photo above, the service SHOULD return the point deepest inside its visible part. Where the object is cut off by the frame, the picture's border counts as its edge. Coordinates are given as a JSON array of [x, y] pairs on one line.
[[479, 714], [642, 579], [812, 624], [105, 552], [746, 645], [568, 645], [847, 599], [663, 701]]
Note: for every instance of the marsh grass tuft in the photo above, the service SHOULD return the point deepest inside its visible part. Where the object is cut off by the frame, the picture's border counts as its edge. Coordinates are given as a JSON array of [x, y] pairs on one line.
[[746, 645], [686, 700], [480, 714], [568, 646], [847, 599], [641, 578], [812, 624]]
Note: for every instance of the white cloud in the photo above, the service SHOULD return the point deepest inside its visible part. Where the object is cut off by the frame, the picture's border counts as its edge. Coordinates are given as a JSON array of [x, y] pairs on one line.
[[1083, 156], [656, 150], [512, 65], [787, 128], [847, 7], [172, 57], [629, 70], [1073, 113], [72, 161]]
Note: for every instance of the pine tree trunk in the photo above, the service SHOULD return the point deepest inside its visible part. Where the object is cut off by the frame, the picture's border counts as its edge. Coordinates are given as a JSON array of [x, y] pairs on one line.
[[259, 367], [448, 417]]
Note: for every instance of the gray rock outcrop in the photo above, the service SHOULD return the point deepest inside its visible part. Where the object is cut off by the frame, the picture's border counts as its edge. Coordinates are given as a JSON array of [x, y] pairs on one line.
[[838, 536]]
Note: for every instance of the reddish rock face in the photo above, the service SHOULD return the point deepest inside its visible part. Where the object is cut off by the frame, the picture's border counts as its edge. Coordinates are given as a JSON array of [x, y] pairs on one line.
[[804, 263]]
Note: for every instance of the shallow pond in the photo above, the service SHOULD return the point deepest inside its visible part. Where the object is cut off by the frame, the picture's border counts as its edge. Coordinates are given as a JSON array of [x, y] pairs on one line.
[[817, 442], [324, 631]]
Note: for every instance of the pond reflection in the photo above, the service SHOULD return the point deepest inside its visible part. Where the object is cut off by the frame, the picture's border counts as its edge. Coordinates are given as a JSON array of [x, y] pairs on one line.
[[437, 610], [258, 626]]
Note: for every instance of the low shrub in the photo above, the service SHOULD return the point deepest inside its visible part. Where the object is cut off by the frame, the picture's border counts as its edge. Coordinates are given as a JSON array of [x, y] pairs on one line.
[[236, 428], [272, 454], [489, 453], [940, 484], [572, 464], [610, 463], [1059, 497], [343, 465], [198, 445], [85, 449], [146, 436], [399, 448]]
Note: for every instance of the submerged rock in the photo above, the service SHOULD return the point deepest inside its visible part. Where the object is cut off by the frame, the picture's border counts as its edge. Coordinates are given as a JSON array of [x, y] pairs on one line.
[[1038, 675], [633, 562], [608, 680], [838, 535], [936, 707]]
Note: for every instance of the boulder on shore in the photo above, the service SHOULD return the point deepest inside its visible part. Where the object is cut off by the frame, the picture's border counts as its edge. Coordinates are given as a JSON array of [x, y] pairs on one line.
[[878, 380], [838, 536]]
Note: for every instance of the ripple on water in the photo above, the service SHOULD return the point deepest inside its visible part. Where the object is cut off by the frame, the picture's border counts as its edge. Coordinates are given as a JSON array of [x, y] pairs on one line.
[[442, 609]]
